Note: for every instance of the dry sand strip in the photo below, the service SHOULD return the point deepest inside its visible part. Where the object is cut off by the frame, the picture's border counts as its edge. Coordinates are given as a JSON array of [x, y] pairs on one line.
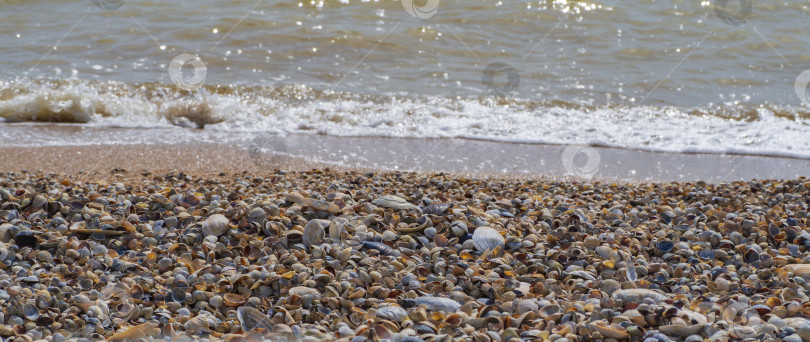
[[352, 256]]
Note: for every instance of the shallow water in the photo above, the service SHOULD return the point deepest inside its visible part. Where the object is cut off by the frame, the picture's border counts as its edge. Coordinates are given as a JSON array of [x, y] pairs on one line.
[[675, 76]]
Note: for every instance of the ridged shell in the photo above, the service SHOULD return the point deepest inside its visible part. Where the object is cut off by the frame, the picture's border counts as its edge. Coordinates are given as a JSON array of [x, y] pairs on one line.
[[604, 252], [694, 338], [438, 304], [216, 225], [610, 286], [485, 238], [393, 202], [522, 306], [392, 313], [638, 295], [792, 338], [436, 209], [314, 232], [250, 318]]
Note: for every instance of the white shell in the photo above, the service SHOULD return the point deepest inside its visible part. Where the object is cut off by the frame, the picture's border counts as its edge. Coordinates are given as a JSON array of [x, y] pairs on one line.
[[314, 232], [393, 202], [216, 225], [638, 295], [250, 318], [392, 313], [438, 304], [485, 238]]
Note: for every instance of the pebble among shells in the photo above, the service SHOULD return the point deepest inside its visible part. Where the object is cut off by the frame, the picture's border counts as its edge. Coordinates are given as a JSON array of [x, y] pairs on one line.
[[360, 257]]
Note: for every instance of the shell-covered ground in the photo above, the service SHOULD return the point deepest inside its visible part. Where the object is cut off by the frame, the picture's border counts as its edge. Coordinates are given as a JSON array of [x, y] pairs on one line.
[[353, 256]]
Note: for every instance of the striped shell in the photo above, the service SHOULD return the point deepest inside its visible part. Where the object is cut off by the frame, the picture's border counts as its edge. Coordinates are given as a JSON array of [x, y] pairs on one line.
[[792, 338], [485, 238], [522, 306], [604, 252], [610, 285], [694, 338]]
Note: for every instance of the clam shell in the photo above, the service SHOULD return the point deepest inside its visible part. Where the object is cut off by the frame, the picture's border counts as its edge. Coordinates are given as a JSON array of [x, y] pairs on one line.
[[611, 331], [233, 299], [393, 202], [314, 232], [610, 286], [638, 295], [485, 238], [392, 313], [216, 225], [438, 304], [250, 318]]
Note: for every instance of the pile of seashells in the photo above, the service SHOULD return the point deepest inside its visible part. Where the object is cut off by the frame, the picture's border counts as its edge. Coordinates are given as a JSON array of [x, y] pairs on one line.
[[351, 256]]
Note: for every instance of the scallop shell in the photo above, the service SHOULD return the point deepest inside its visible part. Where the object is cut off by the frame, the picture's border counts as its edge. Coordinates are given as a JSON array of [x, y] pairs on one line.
[[250, 318], [314, 232], [522, 306], [604, 252], [216, 225], [392, 313], [792, 338], [393, 202], [610, 286], [485, 238]]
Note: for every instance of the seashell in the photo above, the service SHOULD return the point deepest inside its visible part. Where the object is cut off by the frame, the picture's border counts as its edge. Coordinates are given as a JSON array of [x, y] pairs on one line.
[[392, 313], [393, 202], [436, 209], [582, 274], [681, 330], [314, 232], [485, 238], [250, 318], [792, 338], [317, 205], [303, 291], [630, 271], [521, 306], [605, 252], [216, 225], [135, 333], [459, 228], [800, 270], [380, 247], [433, 303], [610, 331], [664, 246], [233, 300], [610, 286], [638, 295]]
